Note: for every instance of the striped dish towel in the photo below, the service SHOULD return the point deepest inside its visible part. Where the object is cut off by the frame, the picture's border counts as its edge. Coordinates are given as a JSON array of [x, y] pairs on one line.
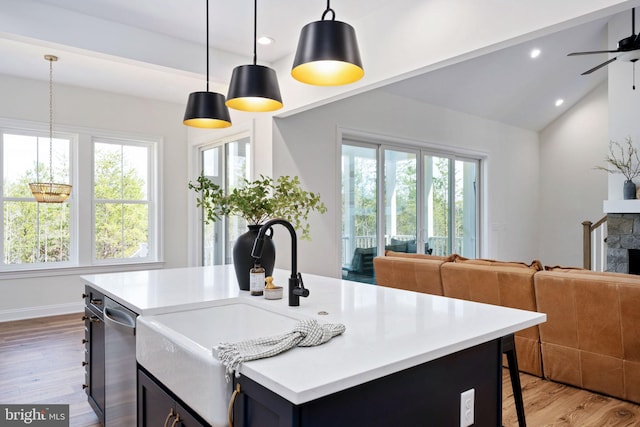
[[306, 333]]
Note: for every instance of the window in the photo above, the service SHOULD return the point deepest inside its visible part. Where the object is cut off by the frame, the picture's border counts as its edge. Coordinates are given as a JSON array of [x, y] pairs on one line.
[[117, 187], [227, 165], [405, 199], [34, 233], [121, 200]]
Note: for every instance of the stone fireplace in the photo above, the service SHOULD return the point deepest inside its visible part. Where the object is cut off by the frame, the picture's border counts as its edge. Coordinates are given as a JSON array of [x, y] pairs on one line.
[[623, 242]]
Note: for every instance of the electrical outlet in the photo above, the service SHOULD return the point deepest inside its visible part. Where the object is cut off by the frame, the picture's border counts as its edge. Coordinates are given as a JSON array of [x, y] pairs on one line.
[[467, 412]]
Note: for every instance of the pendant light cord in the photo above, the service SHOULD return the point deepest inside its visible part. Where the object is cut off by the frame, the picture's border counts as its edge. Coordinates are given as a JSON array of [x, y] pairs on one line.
[[633, 30], [327, 10], [207, 45], [51, 119], [255, 30]]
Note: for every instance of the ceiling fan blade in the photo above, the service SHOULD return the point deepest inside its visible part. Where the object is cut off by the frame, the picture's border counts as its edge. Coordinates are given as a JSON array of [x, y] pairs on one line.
[[598, 66], [592, 52]]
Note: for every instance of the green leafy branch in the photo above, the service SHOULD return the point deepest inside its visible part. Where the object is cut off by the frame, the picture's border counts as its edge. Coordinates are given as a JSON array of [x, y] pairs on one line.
[[260, 200]]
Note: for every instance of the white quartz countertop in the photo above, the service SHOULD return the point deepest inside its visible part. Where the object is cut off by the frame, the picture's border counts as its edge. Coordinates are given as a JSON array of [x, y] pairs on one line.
[[387, 330], [167, 290]]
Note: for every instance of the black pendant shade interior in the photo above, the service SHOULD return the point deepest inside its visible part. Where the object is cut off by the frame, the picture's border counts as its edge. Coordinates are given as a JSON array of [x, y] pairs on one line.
[[327, 53], [254, 87], [207, 109]]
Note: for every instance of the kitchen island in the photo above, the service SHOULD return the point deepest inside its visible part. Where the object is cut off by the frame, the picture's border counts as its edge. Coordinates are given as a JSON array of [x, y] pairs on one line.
[[404, 356]]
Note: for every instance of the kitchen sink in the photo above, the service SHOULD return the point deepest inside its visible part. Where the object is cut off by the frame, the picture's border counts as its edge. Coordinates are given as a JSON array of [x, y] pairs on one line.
[[177, 348]]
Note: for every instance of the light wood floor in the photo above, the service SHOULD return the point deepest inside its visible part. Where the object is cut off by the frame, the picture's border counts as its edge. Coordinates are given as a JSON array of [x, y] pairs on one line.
[[40, 362], [550, 404]]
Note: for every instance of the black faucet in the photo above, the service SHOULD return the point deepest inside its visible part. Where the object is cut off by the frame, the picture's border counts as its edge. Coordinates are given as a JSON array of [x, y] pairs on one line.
[[296, 286]]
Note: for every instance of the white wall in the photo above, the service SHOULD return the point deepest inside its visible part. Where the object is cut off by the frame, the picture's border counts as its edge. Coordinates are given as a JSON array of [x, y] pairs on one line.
[[624, 102], [307, 145], [571, 190], [24, 99]]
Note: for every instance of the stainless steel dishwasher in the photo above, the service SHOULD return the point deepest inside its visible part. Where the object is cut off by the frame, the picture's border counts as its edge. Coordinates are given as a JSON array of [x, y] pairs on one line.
[[120, 365]]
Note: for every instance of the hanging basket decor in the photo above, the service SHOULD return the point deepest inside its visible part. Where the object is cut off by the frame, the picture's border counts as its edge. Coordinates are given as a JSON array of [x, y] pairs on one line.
[[48, 192]]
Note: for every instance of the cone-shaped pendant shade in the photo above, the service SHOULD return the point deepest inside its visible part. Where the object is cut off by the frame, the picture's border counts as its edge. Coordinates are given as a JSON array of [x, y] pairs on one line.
[[254, 88], [327, 54], [207, 110]]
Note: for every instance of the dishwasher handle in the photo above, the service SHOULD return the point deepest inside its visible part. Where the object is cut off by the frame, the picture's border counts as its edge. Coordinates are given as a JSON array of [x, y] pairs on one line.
[[120, 320]]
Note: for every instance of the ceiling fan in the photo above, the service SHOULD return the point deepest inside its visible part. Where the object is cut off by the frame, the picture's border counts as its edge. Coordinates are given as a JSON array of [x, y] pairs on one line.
[[628, 48]]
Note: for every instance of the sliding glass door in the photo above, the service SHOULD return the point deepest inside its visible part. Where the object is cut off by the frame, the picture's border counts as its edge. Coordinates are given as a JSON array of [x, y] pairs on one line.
[[450, 208], [226, 165], [359, 210], [405, 199], [400, 200]]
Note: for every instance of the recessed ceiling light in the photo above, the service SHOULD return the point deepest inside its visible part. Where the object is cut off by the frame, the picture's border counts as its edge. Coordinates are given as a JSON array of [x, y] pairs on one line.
[[264, 40], [559, 102], [535, 53]]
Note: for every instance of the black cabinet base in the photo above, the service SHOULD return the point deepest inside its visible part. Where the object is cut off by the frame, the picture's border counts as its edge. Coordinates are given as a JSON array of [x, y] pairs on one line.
[[158, 406], [428, 394]]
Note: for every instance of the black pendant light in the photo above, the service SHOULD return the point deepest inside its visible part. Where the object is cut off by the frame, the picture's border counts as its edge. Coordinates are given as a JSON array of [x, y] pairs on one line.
[[207, 109], [327, 53], [254, 87]]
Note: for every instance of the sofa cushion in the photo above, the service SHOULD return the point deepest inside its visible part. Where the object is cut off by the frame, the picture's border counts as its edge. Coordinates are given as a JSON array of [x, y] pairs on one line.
[[592, 274], [396, 254], [413, 274], [509, 286], [564, 269], [562, 364], [591, 338], [632, 380], [584, 310], [535, 264], [499, 283]]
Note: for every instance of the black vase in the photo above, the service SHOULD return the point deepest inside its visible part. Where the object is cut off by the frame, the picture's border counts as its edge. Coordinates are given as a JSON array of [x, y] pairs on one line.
[[629, 190], [243, 261]]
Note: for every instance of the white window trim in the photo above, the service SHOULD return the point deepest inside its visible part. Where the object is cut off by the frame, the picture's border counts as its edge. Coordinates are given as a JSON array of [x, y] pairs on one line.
[[81, 164]]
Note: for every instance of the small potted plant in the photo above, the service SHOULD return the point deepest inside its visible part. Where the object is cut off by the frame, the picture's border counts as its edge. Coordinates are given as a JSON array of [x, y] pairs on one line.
[[258, 201], [624, 160]]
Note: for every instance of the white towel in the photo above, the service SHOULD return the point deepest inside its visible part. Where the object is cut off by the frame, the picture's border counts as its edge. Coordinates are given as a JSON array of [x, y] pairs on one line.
[[307, 333]]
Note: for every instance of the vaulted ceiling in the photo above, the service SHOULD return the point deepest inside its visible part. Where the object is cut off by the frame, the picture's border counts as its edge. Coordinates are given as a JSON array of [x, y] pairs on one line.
[[505, 85]]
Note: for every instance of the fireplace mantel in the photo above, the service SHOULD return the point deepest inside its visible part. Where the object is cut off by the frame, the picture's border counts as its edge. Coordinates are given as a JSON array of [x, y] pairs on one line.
[[621, 206]]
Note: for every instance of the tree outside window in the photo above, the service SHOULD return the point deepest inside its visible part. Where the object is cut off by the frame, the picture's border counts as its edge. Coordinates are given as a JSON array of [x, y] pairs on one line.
[[44, 234], [34, 232], [121, 202]]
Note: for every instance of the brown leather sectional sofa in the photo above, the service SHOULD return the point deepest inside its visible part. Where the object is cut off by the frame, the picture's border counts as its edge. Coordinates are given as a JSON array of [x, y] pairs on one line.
[[592, 335]]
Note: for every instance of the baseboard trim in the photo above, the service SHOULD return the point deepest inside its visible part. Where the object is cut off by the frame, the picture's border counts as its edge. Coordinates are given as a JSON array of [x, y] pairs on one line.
[[40, 311]]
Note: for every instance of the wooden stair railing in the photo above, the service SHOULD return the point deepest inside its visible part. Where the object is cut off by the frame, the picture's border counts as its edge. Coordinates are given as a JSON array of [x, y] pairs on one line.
[[588, 229]]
